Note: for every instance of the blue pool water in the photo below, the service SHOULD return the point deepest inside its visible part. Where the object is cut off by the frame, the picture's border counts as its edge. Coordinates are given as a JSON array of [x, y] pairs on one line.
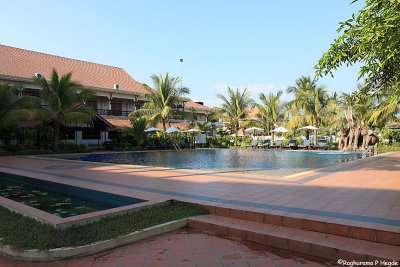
[[225, 158], [59, 199]]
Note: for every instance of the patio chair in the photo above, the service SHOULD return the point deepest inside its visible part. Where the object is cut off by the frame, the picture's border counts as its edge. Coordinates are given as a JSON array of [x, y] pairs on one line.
[[305, 145], [265, 144], [292, 144], [253, 144], [277, 145], [321, 145]]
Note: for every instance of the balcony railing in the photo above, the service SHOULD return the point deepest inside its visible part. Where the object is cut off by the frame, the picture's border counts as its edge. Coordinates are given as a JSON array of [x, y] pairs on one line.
[[113, 112]]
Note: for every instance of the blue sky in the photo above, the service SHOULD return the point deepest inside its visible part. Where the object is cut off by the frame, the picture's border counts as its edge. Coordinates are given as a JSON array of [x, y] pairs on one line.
[[262, 45]]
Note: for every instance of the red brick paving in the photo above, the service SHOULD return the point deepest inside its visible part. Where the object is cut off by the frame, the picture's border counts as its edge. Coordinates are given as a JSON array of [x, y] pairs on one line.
[[184, 248]]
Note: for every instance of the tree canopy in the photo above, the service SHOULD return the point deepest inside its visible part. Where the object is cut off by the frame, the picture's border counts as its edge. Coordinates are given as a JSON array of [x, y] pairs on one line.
[[12, 108], [63, 99], [372, 38], [234, 106], [163, 100]]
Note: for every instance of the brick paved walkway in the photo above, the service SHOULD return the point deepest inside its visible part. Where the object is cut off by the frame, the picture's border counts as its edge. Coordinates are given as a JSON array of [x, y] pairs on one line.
[[184, 248]]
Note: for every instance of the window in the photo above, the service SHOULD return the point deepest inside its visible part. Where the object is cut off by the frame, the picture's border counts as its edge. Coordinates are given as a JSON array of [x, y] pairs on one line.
[[116, 108], [31, 92]]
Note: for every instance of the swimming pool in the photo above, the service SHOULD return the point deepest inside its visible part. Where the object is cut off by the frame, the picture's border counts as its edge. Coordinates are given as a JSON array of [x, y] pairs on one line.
[[225, 158]]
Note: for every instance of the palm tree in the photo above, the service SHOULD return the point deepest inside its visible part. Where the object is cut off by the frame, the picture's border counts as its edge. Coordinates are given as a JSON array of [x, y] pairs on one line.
[[63, 101], [331, 114], [270, 111], [361, 105], [138, 127], [162, 100], [234, 107], [13, 108], [310, 98], [389, 106]]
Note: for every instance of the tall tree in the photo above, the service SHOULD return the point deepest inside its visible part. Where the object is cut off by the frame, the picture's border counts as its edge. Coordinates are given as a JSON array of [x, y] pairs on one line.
[[234, 107], [362, 105], [64, 102], [271, 110], [310, 98], [14, 108], [163, 99], [371, 37]]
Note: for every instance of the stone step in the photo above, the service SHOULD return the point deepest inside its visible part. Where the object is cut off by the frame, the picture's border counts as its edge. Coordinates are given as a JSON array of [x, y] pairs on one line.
[[322, 245], [327, 227]]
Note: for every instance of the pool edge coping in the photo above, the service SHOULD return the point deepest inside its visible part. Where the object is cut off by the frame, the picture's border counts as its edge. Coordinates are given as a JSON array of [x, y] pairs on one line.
[[81, 251]]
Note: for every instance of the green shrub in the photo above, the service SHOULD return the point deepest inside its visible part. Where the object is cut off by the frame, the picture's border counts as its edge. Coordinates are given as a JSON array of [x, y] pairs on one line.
[[299, 141]]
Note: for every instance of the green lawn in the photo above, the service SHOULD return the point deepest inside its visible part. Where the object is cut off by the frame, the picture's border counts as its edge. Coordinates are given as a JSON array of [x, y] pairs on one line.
[[22, 232]]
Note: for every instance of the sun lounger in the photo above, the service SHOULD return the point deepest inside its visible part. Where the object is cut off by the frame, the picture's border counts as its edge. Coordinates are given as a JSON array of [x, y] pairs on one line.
[[321, 145], [305, 145], [277, 145], [265, 144], [253, 144], [292, 144]]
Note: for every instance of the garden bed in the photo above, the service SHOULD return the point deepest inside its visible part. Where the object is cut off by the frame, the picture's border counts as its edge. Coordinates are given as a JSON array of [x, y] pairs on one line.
[[24, 233]]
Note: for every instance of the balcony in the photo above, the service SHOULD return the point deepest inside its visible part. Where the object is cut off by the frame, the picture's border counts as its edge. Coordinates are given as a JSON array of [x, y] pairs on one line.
[[113, 112]]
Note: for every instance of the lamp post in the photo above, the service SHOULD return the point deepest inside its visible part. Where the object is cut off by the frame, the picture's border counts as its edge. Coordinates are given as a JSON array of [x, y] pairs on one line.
[[181, 60]]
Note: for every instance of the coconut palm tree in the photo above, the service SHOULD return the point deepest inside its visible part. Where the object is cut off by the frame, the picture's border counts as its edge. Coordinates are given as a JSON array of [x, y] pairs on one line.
[[331, 114], [138, 127], [162, 100], [388, 107], [234, 107], [310, 98], [270, 111], [64, 102], [361, 105], [14, 108]]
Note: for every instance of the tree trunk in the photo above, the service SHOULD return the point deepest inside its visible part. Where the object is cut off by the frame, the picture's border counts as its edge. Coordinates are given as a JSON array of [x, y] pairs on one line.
[[315, 131], [56, 135], [164, 126], [272, 138]]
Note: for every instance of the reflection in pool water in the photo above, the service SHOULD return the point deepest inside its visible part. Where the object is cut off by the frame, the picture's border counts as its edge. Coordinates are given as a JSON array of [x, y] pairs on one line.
[[226, 158]]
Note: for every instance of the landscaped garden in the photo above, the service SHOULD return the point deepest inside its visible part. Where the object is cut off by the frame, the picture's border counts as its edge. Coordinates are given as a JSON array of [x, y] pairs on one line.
[[24, 233]]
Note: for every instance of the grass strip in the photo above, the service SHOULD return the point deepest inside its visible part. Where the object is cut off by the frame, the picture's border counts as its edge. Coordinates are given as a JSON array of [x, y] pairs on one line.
[[22, 233]]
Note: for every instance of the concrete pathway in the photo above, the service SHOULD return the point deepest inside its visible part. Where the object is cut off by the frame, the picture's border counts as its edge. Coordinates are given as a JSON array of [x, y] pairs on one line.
[[185, 248]]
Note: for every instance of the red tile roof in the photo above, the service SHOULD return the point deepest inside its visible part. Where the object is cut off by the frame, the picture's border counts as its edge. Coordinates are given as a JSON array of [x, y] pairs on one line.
[[252, 112], [21, 63], [196, 106], [179, 125], [119, 123]]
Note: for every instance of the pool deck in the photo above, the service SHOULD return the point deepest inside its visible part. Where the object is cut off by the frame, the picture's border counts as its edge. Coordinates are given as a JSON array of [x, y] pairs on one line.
[[183, 248], [363, 193]]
